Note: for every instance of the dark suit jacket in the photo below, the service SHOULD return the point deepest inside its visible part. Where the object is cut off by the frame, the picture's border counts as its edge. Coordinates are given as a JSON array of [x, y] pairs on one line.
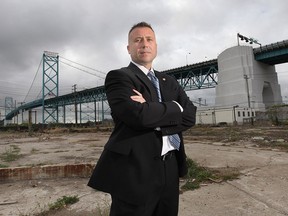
[[130, 164]]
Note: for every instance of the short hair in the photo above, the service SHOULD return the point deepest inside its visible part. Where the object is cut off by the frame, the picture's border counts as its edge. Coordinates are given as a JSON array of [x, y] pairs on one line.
[[140, 25]]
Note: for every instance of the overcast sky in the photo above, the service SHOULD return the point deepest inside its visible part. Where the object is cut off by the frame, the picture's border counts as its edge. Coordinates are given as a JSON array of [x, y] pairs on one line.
[[94, 33]]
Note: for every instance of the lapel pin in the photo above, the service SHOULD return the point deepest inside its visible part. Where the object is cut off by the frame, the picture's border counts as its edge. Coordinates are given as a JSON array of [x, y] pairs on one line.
[[164, 79]]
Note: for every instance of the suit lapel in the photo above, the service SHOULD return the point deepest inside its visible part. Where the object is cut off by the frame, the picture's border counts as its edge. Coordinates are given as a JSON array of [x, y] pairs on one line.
[[145, 80], [162, 84]]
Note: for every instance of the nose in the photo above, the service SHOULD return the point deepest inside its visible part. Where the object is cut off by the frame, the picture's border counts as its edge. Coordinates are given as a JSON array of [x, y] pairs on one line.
[[144, 43]]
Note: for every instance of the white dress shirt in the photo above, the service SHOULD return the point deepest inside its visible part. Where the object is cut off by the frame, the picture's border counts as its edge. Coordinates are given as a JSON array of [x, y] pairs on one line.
[[166, 147]]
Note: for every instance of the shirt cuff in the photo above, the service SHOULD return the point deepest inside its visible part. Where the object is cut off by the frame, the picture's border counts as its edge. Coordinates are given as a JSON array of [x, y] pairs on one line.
[[181, 108]]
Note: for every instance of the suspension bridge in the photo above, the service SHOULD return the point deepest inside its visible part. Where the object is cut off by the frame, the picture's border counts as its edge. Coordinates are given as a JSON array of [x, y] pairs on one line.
[[195, 76]]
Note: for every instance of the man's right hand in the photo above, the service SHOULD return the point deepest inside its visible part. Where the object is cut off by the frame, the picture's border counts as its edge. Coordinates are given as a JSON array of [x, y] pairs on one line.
[[138, 97]]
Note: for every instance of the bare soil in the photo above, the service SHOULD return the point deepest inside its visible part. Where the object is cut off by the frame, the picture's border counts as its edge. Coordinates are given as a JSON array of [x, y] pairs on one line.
[[259, 153]]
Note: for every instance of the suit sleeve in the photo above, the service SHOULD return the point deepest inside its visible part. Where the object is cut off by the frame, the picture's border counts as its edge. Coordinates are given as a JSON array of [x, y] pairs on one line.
[[188, 118], [119, 87]]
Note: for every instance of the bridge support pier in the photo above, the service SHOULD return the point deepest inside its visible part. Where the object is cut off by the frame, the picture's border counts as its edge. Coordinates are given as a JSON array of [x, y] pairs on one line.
[[245, 82]]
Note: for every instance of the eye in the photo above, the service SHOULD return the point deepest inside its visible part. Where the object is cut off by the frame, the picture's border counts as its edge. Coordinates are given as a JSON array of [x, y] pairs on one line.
[[137, 40]]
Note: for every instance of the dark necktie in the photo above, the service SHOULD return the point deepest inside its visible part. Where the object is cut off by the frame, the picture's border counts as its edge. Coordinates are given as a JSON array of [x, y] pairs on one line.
[[174, 139]]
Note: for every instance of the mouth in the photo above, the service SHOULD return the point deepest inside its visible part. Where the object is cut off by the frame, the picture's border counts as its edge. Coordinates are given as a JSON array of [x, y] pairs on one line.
[[144, 52]]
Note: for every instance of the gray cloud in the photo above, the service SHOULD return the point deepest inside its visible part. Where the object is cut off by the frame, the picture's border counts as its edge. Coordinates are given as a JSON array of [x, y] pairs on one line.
[[94, 33]]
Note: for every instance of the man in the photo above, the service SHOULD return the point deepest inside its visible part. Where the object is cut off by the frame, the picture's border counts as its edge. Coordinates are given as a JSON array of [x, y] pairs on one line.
[[140, 167]]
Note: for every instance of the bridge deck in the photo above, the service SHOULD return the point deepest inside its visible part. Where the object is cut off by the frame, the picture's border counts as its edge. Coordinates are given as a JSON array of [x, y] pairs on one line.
[[276, 53]]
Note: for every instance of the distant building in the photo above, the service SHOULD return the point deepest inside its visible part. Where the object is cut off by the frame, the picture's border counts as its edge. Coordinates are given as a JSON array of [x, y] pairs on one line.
[[230, 115]]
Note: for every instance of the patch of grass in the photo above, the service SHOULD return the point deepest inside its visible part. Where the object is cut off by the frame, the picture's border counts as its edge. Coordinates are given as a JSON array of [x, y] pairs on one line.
[[198, 175], [3, 166], [11, 154], [195, 176], [224, 174], [58, 206], [63, 202], [233, 135]]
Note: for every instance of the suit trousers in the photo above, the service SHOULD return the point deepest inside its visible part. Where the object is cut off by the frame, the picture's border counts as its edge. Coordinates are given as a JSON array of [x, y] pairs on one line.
[[162, 203]]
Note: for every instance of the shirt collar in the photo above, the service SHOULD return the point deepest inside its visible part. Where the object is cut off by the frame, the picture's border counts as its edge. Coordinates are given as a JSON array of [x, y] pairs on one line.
[[142, 68]]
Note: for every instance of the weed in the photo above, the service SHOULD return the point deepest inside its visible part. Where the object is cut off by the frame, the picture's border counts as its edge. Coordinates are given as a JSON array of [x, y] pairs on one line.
[[63, 202], [195, 175], [11, 154], [57, 206], [3, 166], [224, 174], [198, 175]]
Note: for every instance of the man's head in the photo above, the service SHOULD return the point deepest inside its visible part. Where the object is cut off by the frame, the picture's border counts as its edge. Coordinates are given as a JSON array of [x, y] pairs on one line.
[[142, 45]]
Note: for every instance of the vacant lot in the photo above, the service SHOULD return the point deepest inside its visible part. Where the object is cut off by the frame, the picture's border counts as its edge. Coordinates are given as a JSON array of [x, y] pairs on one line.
[[258, 153]]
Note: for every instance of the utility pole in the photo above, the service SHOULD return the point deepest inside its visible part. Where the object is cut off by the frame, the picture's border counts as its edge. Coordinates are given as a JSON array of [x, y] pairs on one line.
[[30, 122], [247, 88], [16, 115], [74, 87]]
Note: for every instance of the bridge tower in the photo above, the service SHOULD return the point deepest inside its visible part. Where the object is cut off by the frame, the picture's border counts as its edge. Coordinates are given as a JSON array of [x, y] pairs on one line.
[[50, 87], [245, 82]]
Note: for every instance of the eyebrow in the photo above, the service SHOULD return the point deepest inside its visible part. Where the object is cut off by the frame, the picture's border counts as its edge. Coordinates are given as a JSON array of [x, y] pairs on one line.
[[148, 36]]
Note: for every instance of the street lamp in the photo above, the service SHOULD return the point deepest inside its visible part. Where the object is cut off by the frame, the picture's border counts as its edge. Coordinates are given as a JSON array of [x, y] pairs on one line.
[[247, 40]]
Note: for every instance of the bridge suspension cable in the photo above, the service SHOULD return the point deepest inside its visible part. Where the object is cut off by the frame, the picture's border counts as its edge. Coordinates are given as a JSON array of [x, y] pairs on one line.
[[33, 80], [83, 70], [78, 68]]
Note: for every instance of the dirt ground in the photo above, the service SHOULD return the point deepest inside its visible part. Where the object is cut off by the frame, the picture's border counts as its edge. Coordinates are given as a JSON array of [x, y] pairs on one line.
[[260, 154]]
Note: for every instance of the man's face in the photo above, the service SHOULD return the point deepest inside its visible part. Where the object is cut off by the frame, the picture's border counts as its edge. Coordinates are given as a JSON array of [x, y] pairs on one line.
[[142, 46]]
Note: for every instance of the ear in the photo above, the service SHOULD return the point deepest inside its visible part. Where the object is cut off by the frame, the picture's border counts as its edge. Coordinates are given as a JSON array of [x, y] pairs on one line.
[[128, 49]]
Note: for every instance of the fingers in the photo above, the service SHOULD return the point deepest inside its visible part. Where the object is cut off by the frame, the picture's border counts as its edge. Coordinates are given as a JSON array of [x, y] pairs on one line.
[[138, 98], [138, 93]]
